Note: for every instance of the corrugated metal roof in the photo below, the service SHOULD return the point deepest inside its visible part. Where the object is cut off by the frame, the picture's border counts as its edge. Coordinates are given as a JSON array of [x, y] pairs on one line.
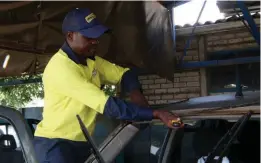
[[227, 19]]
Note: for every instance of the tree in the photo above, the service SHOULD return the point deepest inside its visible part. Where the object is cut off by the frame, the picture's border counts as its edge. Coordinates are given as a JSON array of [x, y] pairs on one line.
[[109, 90], [18, 96]]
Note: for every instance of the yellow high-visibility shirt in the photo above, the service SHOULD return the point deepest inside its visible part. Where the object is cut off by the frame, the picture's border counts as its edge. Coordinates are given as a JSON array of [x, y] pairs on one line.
[[71, 89]]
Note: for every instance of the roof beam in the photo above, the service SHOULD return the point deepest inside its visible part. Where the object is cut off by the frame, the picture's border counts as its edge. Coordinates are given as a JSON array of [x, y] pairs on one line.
[[250, 21]]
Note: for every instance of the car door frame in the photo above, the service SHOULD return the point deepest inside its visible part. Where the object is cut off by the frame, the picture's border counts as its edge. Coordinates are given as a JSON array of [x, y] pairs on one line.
[[24, 134]]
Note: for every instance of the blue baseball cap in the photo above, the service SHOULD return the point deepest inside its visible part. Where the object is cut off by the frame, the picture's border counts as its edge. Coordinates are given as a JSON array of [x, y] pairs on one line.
[[84, 22]]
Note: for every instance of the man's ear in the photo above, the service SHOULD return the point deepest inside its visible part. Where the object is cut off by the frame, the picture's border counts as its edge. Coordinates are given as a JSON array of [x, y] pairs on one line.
[[69, 36]]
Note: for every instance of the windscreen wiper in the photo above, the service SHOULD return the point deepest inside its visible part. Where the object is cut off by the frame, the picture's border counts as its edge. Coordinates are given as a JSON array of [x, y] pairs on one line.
[[228, 138], [94, 149]]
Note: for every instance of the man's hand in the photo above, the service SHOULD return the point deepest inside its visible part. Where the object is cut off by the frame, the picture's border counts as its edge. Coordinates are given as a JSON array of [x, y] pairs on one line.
[[166, 117]]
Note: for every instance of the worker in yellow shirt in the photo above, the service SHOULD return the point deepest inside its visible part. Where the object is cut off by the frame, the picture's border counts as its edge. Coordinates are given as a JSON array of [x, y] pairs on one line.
[[72, 80]]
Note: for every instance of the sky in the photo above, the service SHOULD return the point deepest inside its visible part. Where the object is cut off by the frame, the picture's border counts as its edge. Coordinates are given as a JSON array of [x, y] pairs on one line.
[[188, 13]]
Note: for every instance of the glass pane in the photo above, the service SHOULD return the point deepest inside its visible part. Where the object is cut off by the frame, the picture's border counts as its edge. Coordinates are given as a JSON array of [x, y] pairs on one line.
[[10, 145]]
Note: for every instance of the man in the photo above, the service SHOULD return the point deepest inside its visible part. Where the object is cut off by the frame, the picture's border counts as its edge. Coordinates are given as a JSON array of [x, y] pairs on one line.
[[72, 81]]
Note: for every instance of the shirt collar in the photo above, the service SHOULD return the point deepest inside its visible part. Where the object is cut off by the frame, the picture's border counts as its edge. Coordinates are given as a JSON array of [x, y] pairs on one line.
[[74, 57]]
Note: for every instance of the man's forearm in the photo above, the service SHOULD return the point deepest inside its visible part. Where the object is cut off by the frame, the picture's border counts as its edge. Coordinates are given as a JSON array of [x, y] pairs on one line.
[[132, 87], [123, 110], [138, 98]]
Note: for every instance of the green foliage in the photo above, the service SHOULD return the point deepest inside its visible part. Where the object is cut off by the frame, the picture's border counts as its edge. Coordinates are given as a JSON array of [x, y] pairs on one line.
[[18, 96], [110, 90]]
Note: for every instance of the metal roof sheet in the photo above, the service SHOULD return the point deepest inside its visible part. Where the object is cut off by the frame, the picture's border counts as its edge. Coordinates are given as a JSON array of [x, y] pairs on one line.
[[226, 19]]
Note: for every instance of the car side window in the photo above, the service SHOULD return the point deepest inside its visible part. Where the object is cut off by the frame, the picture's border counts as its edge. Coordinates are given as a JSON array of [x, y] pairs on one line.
[[10, 146]]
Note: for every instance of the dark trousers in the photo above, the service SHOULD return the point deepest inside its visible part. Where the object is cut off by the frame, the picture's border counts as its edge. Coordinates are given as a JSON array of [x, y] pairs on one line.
[[60, 150]]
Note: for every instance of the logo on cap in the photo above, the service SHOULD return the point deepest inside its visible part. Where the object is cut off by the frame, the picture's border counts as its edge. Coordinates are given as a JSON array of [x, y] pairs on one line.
[[90, 17]]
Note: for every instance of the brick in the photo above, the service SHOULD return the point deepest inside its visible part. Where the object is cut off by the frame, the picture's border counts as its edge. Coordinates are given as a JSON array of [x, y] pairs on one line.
[[190, 90], [227, 36], [254, 44], [160, 81], [176, 80], [212, 37], [147, 81], [235, 46], [192, 95], [179, 74], [145, 86], [218, 48], [143, 77], [173, 90], [153, 77], [235, 40], [167, 85], [220, 42], [154, 86], [243, 34], [173, 101], [167, 97], [193, 46], [249, 39], [154, 97], [169, 82], [148, 92], [210, 43], [188, 79], [160, 91], [161, 102], [151, 102], [195, 58], [192, 73], [180, 96], [192, 52], [176, 85], [193, 84], [188, 58], [209, 49]]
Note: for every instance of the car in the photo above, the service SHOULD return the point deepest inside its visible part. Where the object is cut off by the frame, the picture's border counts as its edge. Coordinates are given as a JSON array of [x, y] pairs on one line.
[[207, 120]]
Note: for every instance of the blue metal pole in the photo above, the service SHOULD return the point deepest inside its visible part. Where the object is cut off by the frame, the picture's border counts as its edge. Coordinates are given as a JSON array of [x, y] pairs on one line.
[[238, 83], [193, 30], [173, 27], [247, 16], [214, 63], [19, 82]]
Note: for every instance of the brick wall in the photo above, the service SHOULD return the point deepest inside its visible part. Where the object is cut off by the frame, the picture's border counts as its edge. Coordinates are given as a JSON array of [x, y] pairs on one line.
[[230, 40], [187, 84], [161, 91]]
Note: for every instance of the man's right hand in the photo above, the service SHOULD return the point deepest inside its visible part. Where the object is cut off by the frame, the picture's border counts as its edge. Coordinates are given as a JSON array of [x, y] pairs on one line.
[[166, 117]]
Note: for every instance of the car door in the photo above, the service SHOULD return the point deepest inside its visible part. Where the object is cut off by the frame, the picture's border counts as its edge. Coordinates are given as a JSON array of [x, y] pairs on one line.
[[23, 133]]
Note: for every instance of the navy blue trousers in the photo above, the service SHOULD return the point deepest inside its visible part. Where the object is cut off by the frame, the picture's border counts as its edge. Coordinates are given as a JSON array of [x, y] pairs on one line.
[[61, 151]]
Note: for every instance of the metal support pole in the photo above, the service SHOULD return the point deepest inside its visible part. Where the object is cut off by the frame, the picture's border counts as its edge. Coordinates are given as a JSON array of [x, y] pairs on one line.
[[193, 30], [239, 92], [19, 82], [173, 27], [247, 16]]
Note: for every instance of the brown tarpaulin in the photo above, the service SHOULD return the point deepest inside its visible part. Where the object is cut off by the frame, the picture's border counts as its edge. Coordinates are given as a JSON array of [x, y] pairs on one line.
[[142, 37]]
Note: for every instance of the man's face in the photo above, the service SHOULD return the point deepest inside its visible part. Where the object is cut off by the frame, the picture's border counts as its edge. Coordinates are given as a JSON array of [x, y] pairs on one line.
[[82, 45]]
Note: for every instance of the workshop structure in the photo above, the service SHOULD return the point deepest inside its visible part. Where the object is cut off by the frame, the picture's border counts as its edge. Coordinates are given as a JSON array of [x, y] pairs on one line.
[[224, 37]]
